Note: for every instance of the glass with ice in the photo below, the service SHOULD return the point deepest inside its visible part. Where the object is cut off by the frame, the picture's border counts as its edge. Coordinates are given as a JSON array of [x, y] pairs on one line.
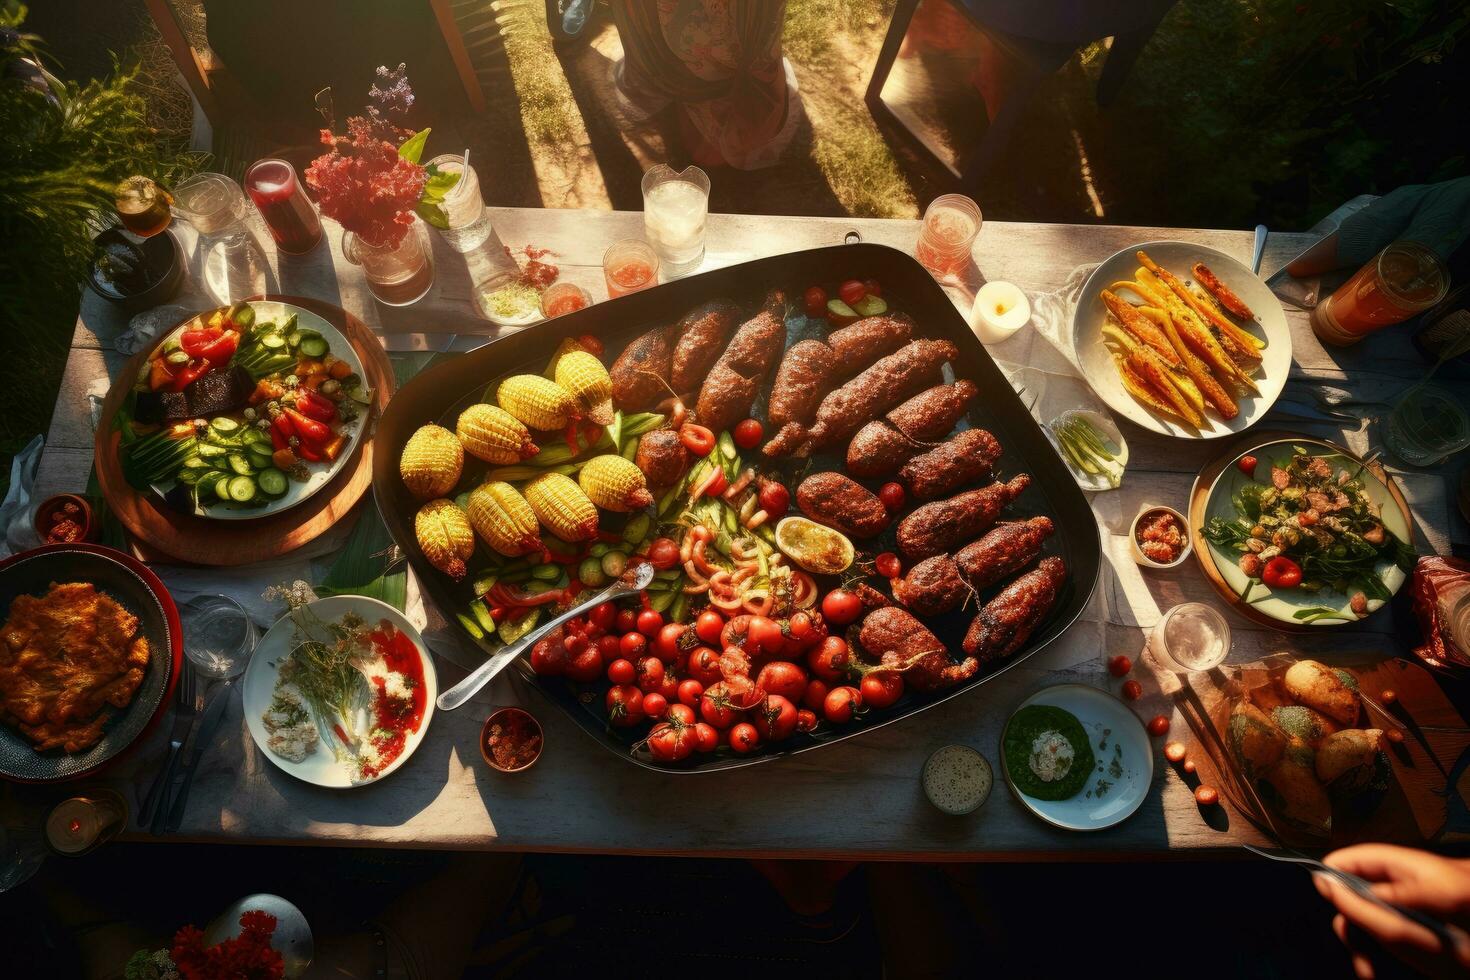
[[1191, 637], [675, 205]]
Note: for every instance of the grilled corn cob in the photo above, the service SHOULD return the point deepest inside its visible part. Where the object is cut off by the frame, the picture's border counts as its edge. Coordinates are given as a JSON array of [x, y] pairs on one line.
[[562, 507], [583, 375], [501, 516], [491, 433], [614, 483], [444, 536], [431, 462], [539, 402]]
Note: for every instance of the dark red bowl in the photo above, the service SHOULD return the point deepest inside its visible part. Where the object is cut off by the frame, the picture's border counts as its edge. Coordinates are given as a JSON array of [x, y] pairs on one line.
[[132, 584]]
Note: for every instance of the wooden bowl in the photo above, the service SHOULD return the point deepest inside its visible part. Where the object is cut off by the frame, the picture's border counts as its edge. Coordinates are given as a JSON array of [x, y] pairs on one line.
[[501, 715], [47, 510]]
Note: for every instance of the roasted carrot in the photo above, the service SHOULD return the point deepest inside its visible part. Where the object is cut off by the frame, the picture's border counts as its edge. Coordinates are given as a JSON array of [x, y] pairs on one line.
[[1227, 297]]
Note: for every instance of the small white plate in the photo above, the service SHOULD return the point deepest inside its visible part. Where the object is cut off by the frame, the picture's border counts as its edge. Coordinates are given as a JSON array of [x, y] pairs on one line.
[[1097, 362], [1109, 723], [1093, 483], [320, 768]]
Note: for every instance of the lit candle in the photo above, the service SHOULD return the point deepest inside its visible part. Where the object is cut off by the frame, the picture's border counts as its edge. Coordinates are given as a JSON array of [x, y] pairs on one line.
[[1000, 310], [79, 824]]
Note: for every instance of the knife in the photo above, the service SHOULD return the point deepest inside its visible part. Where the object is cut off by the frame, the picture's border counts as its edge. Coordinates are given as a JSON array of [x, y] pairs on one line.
[[213, 711]]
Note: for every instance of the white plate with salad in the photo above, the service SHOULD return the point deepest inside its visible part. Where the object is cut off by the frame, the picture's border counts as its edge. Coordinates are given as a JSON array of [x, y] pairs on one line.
[[1305, 533], [340, 692], [245, 411]]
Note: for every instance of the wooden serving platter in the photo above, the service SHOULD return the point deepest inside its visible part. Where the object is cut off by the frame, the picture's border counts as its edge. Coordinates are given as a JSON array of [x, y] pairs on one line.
[[161, 533]]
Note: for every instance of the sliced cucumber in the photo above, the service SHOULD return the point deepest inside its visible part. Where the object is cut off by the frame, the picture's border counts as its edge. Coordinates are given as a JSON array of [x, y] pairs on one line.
[[314, 346], [241, 489], [272, 482], [274, 341], [870, 305], [221, 486], [261, 461], [252, 435], [178, 357], [224, 425], [211, 451], [240, 465], [191, 475], [242, 315], [294, 340], [360, 394], [195, 463], [171, 344]]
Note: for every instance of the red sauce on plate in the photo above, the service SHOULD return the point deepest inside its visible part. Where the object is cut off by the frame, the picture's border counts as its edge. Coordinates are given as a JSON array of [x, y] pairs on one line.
[[397, 718]]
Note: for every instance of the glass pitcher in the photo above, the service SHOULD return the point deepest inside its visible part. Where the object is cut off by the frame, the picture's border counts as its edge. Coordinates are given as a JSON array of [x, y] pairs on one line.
[[675, 205], [397, 274], [232, 263]]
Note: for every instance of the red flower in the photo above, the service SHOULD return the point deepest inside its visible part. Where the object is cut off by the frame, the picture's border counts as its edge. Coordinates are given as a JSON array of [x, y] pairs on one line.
[[364, 184], [248, 956]]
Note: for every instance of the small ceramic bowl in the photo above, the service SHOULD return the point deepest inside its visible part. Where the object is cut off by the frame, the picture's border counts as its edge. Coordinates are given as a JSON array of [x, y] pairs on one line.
[[1138, 554], [531, 314], [161, 271], [54, 508], [502, 715]]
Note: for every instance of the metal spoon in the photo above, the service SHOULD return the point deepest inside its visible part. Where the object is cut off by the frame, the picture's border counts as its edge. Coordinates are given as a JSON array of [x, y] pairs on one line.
[[1259, 250], [485, 673]]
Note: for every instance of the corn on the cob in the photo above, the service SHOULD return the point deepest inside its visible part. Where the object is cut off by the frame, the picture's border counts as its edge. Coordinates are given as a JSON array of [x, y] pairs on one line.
[[584, 376], [491, 433], [445, 536], [562, 507], [503, 518], [539, 402], [614, 483], [431, 462]]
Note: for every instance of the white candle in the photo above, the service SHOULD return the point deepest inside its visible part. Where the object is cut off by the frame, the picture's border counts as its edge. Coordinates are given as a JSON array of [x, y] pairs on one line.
[[1000, 310]]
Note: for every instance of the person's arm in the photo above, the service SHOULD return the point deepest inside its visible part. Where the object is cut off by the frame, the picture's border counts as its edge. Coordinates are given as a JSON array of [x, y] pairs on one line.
[[1434, 215], [1437, 886]]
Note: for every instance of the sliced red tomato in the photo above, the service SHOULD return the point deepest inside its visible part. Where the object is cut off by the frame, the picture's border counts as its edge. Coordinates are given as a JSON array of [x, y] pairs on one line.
[[696, 438], [194, 342], [310, 430], [188, 374], [221, 349]]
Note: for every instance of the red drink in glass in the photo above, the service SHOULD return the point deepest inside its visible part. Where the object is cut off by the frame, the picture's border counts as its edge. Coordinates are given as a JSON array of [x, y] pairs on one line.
[[282, 202], [951, 224], [628, 266]]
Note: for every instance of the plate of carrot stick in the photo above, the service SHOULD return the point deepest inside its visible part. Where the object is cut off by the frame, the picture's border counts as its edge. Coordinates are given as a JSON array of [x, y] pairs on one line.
[[1182, 339]]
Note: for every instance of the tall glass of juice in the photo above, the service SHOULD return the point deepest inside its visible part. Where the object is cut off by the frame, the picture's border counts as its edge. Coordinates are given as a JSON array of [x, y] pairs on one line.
[[282, 202], [1404, 279]]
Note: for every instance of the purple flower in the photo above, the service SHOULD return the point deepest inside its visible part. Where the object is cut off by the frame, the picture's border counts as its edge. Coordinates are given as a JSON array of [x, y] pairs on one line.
[[396, 95]]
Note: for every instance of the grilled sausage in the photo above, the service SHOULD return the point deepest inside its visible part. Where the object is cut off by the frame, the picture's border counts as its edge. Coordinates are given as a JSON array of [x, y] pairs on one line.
[[640, 375], [732, 384], [805, 374], [702, 335], [1007, 621], [900, 642], [662, 457], [835, 500], [1003, 551], [859, 344], [932, 587], [881, 447], [966, 458], [936, 527], [878, 450]]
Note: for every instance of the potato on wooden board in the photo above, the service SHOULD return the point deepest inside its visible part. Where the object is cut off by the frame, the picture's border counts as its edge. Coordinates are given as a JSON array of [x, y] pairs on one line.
[[1301, 798], [1257, 742], [1322, 689], [1299, 721], [1350, 755]]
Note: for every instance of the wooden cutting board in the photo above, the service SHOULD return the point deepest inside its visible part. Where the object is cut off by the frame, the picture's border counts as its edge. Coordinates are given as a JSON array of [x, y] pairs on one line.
[[160, 533]]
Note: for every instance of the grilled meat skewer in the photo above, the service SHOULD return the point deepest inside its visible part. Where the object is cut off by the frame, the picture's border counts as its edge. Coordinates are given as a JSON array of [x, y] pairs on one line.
[[805, 373], [1004, 550], [640, 375], [898, 641], [662, 458], [932, 587], [882, 446], [733, 383]]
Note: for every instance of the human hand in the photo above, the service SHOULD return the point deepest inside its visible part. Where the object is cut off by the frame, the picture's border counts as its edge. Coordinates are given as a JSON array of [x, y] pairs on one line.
[[1414, 879]]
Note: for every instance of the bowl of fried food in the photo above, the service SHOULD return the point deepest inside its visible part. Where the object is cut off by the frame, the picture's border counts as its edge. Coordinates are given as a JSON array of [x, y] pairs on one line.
[[1182, 339], [90, 651]]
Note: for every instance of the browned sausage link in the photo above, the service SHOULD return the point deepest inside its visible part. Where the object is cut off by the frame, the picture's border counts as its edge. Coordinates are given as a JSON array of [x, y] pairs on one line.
[[732, 384], [894, 638], [662, 457], [804, 376], [837, 501], [1006, 622], [932, 587], [930, 415], [879, 388], [1003, 551], [878, 450], [640, 375], [859, 344], [935, 528], [702, 335], [966, 458]]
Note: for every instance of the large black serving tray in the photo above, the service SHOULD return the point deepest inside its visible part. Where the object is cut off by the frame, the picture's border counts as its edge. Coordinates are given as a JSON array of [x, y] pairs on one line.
[[440, 393]]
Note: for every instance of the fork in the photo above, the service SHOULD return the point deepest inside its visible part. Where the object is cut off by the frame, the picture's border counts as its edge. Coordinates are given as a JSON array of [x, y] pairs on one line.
[[185, 708]]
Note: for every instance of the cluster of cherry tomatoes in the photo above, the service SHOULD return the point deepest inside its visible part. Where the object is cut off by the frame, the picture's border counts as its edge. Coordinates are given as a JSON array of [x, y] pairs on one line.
[[740, 682]]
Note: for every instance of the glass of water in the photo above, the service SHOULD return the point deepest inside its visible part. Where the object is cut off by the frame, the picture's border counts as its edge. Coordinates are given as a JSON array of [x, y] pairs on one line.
[[1427, 425], [463, 208], [675, 206], [219, 637], [1191, 637]]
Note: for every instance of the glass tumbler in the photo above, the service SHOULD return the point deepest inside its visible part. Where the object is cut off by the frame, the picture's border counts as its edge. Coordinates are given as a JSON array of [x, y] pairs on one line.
[[219, 637]]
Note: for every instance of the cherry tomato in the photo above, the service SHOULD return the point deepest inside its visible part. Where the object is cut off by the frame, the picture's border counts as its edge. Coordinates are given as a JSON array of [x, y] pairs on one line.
[[681, 713], [1247, 464], [704, 665], [654, 704], [650, 673], [735, 632], [816, 693], [586, 666], [1282, 573], [663, 553], [665, 645], [744, 737], [892, 496], [840, 607], [1158, 725], [669, 687], [748, 433], [815, 301], [627, 621], [603, 615], [783, 678], [671, 741], [1174, 751], [871, 285], [1206, 795], [621, 671], [802, 628], [575, 642], [852, 291], [690, 691], [774, 498], [1188, 765], [829, 660], [696, 438], [1120, 665], [881, 688], [1388, 696], [624, 705], [609, 647], [763, 635], [806, 720], [706, 737], [888, 565], [650, 621], [715, 706], [774, 718], [841, 704], [633, 645], [1132, 690], [708, 626], [549, 658]]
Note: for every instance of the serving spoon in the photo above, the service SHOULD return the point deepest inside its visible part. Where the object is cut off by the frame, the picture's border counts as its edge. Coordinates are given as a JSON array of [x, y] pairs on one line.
[[632, 583]]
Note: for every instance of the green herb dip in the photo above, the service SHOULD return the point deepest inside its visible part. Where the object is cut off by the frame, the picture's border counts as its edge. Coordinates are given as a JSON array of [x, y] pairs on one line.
[[1044, 739]]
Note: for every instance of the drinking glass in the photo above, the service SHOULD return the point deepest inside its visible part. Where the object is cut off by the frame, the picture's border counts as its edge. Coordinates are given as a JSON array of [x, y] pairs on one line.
[[142, 206], [282, 202], [1191, 637], [628, 266], [399, 273], [675, 206], [564, 297], [83, 823], [219, 637], [951, 225], [1427, 425], [233, 266], [1404, 279], [463, 206]]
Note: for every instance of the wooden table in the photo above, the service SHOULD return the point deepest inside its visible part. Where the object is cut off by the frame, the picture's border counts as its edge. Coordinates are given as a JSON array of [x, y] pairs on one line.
[[859, 799]]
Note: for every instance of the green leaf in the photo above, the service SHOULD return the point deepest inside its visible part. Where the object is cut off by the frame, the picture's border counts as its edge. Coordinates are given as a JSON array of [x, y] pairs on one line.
[[413, 147], [433, 214], [439, 184]]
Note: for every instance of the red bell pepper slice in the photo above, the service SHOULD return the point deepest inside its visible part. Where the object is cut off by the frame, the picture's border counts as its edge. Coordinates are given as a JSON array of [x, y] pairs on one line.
[[220, 351], [188, 374], [315, 406], [307, 451], [278, 441], [310, 430]]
